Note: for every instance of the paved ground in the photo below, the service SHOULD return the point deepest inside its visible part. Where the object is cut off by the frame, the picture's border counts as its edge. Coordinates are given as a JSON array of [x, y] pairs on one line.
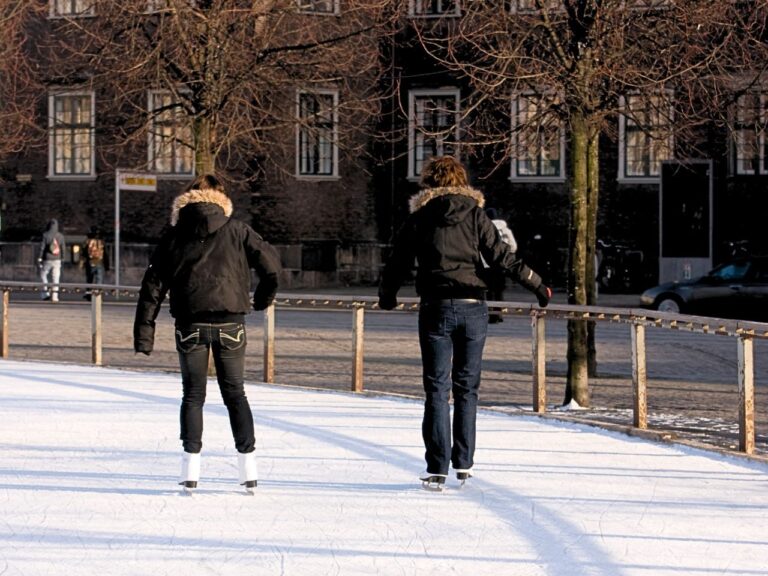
[[692, 377]]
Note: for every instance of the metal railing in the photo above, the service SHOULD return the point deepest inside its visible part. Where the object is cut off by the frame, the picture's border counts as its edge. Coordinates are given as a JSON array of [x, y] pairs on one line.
[[638, 321]]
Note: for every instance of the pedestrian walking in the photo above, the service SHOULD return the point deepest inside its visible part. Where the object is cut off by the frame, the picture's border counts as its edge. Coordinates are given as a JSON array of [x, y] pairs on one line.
[[49, 257], [204, 260], [448, 235], [94, 258]]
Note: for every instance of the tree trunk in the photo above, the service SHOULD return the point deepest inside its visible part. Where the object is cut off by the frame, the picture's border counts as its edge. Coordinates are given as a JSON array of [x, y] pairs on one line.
[[577, 385], [593, 188], [205, 162]]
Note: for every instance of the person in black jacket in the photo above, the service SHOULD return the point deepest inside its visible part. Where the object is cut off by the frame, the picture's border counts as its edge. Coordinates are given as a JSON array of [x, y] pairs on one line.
[[450, 237], [204, 260]]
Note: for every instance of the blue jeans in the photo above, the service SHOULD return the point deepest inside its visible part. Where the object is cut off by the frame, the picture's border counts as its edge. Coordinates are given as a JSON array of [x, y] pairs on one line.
[[452, 336], [227, 342], [94, 273]]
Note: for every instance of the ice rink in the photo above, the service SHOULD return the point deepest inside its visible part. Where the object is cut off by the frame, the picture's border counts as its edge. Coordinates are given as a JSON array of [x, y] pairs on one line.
[[90, 458]]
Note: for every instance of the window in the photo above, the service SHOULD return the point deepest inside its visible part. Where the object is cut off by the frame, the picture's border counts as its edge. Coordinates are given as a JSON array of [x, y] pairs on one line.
[[316, 138], [171, 148], [62, 8], [750, 144], [319, 6], [71, 134], [433, 127], [645, 136], [530, 5], [434, 8], [157, 5], [538, 141]]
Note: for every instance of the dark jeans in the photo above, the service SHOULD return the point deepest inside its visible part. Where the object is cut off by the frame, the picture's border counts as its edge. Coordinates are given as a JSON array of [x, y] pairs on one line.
[[452, 336], [227, 342], [94, 273]]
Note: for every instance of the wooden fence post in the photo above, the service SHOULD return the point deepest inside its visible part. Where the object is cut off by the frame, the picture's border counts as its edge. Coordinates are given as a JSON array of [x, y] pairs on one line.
[[358, 327], [269, 344], [4, 323], [539, 361], [639, 377], [746, 394], [96, 327]]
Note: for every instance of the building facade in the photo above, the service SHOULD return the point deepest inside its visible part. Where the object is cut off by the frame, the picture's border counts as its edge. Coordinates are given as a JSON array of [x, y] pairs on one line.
[[329, 181]]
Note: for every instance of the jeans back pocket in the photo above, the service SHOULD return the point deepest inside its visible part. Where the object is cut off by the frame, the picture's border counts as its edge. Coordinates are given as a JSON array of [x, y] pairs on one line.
[[187, 339], [232, 338]]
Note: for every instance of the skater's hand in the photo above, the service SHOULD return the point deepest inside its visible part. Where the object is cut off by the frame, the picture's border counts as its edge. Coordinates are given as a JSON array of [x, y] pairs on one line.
[[142, 348], [261, 304], [543, 295], [387, 302]]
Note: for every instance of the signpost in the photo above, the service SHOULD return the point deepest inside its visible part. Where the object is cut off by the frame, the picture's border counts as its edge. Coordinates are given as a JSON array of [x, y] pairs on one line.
[[128, 180]]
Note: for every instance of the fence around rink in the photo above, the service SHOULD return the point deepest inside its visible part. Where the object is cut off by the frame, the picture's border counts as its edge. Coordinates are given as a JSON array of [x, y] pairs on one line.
[[637, 319]]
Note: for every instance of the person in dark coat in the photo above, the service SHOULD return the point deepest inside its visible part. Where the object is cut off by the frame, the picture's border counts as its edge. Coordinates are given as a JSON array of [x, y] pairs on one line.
[[450, 237], [94, 258], [204, 260]]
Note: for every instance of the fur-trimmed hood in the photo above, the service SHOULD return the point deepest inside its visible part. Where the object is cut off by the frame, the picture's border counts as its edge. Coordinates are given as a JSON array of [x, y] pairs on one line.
[[418, 201], [200, 197]]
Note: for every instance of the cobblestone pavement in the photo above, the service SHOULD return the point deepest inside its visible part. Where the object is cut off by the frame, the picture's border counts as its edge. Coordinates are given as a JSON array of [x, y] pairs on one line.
[[692, 393]]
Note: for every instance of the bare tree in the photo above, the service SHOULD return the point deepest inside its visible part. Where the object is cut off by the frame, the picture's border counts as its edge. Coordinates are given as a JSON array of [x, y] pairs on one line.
[[227, 70], [586, 63], [19, 85]]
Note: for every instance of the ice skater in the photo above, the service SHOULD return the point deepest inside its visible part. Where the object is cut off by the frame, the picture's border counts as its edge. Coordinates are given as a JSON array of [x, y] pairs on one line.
[[449, 236], [205, 259]]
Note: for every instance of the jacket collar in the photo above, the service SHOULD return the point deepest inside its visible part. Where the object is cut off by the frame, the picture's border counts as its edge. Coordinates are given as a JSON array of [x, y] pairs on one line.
[[200, 196], [418, 201]]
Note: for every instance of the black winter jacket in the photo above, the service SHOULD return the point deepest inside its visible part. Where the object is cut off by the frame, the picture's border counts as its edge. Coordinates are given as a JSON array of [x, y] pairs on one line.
[[446, 234], [204, 260]]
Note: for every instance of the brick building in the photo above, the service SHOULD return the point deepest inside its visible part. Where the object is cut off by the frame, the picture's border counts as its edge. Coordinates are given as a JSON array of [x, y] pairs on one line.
[[330, 195]]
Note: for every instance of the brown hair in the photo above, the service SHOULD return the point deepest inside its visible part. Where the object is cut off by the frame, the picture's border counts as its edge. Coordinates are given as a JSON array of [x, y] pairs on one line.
[[443, 171], [206, 182]]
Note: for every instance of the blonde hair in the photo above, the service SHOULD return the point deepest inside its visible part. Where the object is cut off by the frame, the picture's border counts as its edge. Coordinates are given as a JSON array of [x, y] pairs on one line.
[[204, 183], [443, 172]]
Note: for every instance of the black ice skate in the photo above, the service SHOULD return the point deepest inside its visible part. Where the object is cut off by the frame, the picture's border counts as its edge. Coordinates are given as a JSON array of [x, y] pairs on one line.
[[432, 482], [462, 475]]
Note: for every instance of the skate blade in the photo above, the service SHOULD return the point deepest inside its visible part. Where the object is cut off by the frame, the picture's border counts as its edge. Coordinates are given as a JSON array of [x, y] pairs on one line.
[[433, 483]]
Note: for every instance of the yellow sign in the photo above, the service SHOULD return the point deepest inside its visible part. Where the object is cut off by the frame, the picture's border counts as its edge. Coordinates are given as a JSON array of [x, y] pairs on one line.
[[137, 181]]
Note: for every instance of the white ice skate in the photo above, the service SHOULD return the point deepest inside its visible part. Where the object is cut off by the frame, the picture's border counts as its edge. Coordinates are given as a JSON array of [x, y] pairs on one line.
[[248, 471], [190, 471]]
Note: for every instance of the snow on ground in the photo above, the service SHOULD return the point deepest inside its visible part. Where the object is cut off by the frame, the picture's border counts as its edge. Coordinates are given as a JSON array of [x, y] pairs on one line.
[[89, 459]]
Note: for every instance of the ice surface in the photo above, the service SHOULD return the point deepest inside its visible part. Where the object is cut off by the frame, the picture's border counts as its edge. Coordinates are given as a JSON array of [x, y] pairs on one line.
[[90, 459]]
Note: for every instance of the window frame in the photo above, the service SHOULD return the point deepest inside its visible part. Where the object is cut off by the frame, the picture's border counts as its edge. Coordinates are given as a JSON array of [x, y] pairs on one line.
[[757, 130], [513, 7], [55, 13], [413, 13], [314, 11], [415, 94], [53, 133], [302, 127], [514, 167], [624, 130], [153, 138]]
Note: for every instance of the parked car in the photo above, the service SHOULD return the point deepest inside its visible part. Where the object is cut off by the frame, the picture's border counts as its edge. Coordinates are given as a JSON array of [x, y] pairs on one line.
[[735, 289]]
